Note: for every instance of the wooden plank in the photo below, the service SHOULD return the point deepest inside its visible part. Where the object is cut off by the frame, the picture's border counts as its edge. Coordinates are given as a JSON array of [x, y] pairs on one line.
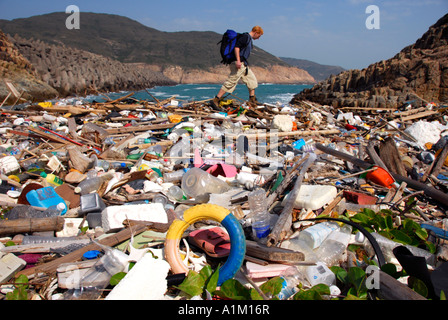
[[274, 254], [417, 116]]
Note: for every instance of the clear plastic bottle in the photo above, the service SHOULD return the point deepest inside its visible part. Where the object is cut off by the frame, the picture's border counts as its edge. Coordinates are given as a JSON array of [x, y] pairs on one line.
[[98, 277], [313, 236], [292, 277], [176, 193], [333, 247], [89, 185], [174, 176], [55, 210], [320, 273], [261, 225], [196, 182]]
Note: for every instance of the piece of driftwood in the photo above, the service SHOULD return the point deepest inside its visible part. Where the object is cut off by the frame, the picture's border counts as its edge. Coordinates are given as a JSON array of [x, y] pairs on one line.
[[78, 160], [428, 190], [284, 222], [11, 227], [392, 289], [273, 254], [390, 155]]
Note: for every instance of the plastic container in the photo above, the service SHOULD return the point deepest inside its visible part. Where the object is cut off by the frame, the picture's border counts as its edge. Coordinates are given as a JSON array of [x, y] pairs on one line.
[[292, 277], [94, 219], [176, 193], [381, 177], [45, 198], [52, 179], [97, 278], [261, 225], [174, 176], [151, 175], [314, 236], [89, 185], [333, 247], [320, 273], [197, 182], [91, 202]]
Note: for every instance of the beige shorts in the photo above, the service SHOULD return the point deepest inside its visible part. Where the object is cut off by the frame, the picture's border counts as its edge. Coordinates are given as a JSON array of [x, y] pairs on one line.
[[236, 74]]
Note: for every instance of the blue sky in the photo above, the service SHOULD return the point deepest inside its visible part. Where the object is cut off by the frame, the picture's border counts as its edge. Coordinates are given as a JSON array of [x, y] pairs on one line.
[[324, 31]]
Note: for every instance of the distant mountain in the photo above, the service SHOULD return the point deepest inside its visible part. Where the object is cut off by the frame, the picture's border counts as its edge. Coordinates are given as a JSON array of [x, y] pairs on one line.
[[318, 71], [180, 57], [126, 40]]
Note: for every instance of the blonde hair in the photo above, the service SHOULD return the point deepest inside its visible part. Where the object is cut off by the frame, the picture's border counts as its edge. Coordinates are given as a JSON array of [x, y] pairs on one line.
[[258, 29]]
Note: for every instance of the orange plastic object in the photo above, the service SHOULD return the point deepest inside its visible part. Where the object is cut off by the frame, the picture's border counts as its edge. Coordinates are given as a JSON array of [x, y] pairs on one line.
[[381, 177]]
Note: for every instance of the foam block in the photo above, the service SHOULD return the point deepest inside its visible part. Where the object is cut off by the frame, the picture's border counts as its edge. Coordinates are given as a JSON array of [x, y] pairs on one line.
[[10, 264], [112, 217], [313, 197], [145, 281]]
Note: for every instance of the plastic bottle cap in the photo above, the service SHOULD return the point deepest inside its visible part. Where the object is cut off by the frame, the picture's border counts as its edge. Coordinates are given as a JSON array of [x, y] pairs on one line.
[[77, 190], [43, 174], [92, 254]]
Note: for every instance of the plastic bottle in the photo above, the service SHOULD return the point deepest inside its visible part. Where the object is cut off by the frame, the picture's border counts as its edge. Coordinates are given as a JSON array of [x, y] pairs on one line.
[[160, 198], [333, 247], [176, 193], [259, 214], [89, 185], [292, 277], [313, 236], [196, 182], [52, 179], [174, 176], [26, 212], [98, 277], [151, 175]]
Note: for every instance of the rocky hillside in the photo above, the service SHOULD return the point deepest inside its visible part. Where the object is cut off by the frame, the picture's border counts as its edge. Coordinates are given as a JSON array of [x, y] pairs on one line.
[[419, 72], [75, 71], [184, 57], [22, 74]]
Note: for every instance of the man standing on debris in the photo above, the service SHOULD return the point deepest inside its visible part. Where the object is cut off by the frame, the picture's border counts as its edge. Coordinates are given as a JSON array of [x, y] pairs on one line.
[[239, 69]]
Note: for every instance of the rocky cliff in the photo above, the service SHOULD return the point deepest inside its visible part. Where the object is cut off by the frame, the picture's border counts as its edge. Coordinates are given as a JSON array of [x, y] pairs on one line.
[[419, 72], [21, 73], [74, 71]]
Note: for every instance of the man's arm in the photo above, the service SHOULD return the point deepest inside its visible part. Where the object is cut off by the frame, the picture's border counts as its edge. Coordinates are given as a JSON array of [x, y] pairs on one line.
[[238, 59]]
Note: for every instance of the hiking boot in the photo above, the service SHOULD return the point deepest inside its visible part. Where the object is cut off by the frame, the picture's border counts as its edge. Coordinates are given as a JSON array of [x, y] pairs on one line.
[[253, 101], [215, 104]]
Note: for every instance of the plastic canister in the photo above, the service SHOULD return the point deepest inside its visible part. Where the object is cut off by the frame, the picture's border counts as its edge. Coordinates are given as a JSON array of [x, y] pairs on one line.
[[197, 182], [52, 179], [320, 273], [45, 197], [91, 202]]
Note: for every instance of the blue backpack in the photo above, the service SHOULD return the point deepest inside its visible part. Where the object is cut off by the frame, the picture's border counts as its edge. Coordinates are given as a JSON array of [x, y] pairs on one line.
[[228, 43]]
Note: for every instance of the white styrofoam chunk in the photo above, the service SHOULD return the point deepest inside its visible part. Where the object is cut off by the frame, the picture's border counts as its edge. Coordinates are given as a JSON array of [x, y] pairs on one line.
[[314, 197], [145, 281], [113, 216], [10, 264]]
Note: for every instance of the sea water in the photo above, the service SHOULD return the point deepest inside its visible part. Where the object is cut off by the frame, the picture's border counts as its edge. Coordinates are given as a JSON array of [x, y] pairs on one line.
[[277, 94]]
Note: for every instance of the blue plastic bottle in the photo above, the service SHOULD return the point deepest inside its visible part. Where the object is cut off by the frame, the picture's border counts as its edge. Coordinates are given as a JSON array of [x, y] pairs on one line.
[[45, 198]]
